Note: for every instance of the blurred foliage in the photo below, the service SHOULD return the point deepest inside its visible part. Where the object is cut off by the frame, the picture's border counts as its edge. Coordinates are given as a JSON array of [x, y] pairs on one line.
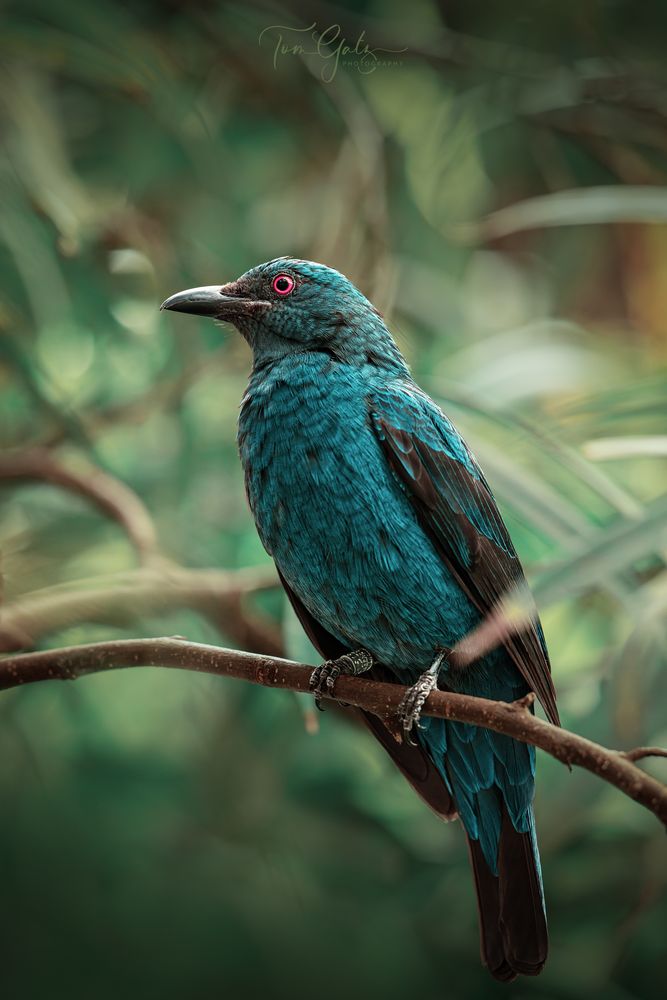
[[500, 190]]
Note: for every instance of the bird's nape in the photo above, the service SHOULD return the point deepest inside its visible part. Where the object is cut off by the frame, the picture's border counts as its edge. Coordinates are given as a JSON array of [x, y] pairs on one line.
[[288, 306]]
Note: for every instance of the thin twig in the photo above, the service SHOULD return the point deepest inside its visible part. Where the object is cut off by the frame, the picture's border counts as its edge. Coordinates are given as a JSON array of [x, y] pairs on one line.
[[640, 752], [512, 719]]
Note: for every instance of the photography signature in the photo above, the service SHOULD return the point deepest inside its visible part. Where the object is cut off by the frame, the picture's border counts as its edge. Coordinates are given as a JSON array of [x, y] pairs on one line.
[[329, 45]]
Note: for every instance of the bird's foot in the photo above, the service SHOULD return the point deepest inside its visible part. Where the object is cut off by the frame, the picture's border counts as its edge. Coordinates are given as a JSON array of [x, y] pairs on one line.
[[323, 678], [409, 710]]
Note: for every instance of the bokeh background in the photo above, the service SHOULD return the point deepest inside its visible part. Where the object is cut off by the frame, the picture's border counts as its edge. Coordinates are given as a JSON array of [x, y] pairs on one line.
[[499, 189]]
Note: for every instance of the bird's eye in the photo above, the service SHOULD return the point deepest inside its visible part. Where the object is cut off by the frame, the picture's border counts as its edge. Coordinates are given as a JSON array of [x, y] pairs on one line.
[[283, 284]]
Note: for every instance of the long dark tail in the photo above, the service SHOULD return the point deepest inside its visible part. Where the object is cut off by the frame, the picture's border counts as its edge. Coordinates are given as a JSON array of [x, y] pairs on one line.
[[513, 926]]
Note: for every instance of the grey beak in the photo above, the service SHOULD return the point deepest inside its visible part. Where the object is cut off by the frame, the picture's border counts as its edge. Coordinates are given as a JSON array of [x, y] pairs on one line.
[[208, 300]]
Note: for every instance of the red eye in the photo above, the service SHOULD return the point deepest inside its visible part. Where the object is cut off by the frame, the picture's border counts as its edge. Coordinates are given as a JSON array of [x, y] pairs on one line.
[[283, 284]]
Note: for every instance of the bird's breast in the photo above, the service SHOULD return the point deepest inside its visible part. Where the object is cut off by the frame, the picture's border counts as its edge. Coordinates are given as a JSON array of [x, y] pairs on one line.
[[335, 519], [308, 451]]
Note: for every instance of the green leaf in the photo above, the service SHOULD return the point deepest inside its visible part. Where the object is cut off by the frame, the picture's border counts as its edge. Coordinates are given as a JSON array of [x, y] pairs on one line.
[[578, 207]]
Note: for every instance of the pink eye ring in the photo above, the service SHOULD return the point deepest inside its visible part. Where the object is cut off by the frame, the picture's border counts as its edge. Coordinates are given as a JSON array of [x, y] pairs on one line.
[[283, 284]]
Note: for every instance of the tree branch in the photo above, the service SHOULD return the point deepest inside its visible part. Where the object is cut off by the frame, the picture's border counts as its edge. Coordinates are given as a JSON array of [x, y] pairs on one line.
[[112, 497], [640, 752], [158, 585], [122, 599], [512, 719]]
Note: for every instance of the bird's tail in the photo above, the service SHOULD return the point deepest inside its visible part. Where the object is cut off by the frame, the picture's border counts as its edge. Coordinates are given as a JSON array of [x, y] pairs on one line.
[[513, 926]]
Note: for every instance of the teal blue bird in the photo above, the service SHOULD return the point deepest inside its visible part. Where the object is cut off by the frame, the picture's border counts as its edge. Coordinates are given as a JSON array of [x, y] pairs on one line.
[[391, 549]]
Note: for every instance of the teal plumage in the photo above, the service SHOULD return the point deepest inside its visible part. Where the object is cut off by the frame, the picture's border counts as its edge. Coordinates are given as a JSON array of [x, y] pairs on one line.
[[346, 537], [387, 538]]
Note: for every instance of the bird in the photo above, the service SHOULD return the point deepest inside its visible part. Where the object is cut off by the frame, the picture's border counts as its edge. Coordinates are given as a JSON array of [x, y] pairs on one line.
[[391, 549]]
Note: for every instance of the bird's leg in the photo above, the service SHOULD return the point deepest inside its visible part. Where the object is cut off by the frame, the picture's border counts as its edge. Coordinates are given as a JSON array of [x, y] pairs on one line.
[[410, 708], [323, 678]]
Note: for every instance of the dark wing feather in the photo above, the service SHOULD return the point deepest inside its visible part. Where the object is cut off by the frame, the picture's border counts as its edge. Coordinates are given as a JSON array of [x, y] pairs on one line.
[[457, 510], [412, 761]]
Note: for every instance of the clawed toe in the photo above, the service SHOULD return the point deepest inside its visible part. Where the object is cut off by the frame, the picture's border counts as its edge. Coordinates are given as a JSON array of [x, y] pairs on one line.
[[409, 710], [323, 678]]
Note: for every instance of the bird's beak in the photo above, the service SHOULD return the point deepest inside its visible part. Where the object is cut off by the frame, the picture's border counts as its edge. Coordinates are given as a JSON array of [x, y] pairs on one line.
[[217, 301]]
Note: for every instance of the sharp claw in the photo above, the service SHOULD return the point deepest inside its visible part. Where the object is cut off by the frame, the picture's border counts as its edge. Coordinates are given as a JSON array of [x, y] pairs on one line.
[[331, 678], [316, 679], [409, 711], [323, 678]]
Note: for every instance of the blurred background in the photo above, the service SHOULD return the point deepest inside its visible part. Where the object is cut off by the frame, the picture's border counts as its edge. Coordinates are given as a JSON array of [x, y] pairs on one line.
[[494, 177]]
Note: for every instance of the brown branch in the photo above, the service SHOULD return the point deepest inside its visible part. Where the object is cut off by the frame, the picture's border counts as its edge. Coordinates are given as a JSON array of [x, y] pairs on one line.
[[158, 586], [125, 599], [512, 719], [639, 753], [112, 497]]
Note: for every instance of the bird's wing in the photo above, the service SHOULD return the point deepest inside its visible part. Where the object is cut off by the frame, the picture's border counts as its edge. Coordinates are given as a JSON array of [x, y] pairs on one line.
[[456, 509], [413, 761]]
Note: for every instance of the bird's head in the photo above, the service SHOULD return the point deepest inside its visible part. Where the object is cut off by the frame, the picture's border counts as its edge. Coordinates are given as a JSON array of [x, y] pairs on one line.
[[289, 306]]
